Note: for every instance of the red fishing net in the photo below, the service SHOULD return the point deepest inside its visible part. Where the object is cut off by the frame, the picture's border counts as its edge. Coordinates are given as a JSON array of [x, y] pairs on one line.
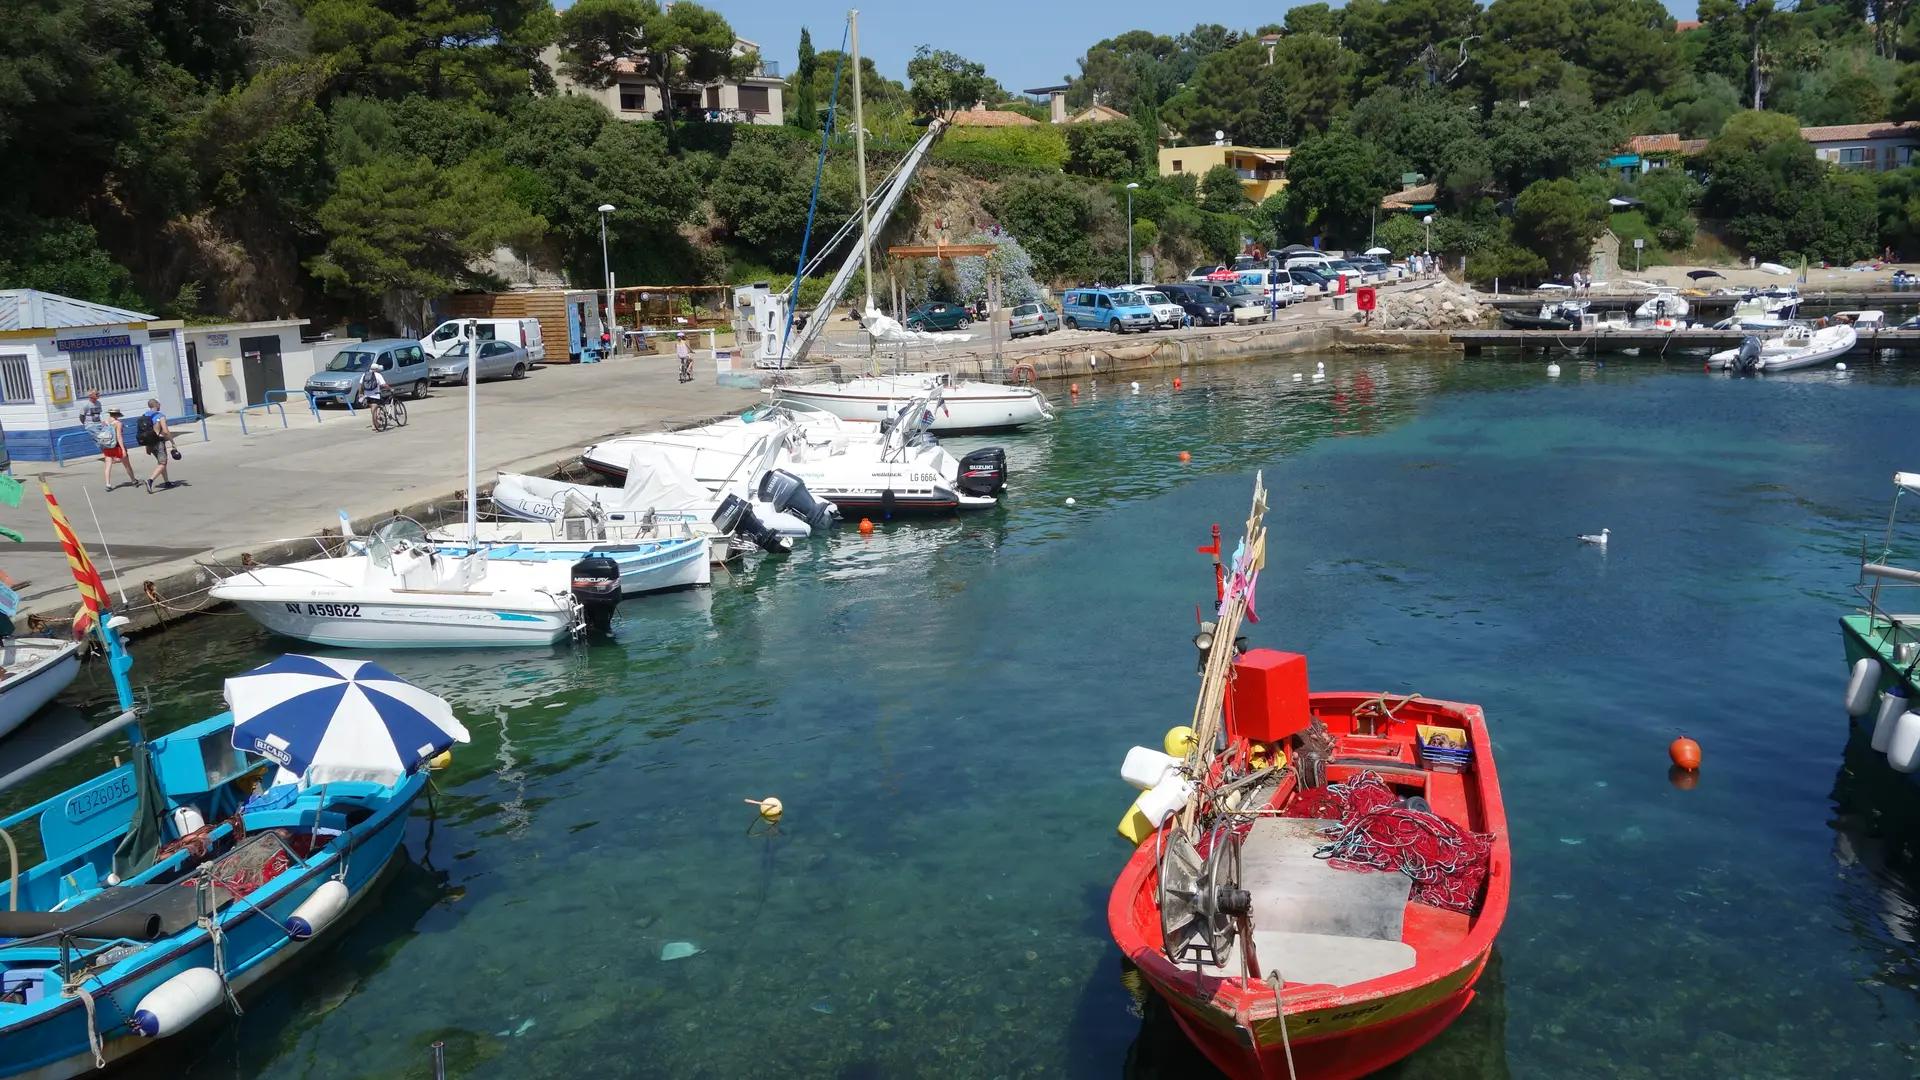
[[1448, 863]]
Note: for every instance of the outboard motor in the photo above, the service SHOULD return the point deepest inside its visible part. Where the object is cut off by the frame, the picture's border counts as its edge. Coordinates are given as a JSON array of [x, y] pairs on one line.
[[983, 472], [735, 517], [785, 491], [1747, 360], [596, 584]]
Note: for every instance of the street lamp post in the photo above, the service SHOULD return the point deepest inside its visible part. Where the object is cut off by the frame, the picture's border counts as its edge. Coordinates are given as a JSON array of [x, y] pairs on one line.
[[1130, 191], [606, 272], [1428, 220]]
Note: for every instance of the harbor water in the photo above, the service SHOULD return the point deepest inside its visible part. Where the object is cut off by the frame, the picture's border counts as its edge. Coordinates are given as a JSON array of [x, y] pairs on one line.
[[943, 708]]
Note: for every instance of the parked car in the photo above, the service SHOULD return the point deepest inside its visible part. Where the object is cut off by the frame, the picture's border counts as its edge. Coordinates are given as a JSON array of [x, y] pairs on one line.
[[525, 332], [1166, 313], [498, 360], [1117, 310], [1032, 317], [1309, 279], [1246, 306], [1200, 273], [938, 315], [401, 360], [1200, 306], [1262, 281]]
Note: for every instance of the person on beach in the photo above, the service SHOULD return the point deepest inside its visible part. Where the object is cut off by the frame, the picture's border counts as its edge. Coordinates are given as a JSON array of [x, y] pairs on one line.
[[115, 451], [685, 354], [154, 434]]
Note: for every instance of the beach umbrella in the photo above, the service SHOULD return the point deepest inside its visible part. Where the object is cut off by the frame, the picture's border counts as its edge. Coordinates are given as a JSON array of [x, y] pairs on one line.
[[326, 720], [1699, 275], [1377, 251]]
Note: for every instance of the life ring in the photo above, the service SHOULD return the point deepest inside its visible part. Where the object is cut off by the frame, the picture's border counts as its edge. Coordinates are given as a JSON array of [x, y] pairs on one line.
[[1024, 373]]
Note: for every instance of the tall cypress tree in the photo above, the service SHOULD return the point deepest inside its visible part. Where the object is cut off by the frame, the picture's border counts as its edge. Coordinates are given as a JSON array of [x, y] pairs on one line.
[[806, 108]]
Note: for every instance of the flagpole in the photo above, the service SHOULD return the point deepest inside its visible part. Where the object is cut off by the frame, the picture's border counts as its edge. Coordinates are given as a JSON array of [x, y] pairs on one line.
[[98, 614]]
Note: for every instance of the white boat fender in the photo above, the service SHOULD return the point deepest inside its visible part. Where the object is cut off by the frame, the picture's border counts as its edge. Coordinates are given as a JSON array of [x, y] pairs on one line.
[[1553, 371], [318, 910], [1145, 767], [177, 1003], [1903, 752], [1892, 704], [1861, 686]]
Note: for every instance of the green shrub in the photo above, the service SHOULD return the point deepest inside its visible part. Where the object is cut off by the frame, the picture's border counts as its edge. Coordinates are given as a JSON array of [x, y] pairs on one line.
[[1037, 148]]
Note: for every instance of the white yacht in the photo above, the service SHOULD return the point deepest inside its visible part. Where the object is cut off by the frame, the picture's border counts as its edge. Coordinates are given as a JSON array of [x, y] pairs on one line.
[[968, 405]]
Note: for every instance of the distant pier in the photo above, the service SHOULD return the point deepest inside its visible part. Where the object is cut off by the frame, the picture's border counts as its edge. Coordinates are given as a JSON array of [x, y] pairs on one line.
[[1598, 341]]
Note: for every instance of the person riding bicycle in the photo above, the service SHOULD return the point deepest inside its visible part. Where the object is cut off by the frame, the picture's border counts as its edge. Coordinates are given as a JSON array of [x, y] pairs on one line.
[[373, 387]]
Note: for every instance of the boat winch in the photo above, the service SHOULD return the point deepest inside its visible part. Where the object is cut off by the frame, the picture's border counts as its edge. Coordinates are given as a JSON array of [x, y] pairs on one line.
[[983, 472], [1202, 906], [596, 585], [784, 491], [735, 517]]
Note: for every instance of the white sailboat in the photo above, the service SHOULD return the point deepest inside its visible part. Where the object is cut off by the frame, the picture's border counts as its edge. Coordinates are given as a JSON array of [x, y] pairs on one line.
[[33, 671], [968, 405]]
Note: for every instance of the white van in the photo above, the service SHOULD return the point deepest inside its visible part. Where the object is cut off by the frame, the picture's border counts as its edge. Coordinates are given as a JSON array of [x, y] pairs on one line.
[[522, 332], [1278, 287]]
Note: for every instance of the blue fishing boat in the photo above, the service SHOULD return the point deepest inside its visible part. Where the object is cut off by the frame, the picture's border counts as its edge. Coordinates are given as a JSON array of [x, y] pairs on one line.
[[220, 853]]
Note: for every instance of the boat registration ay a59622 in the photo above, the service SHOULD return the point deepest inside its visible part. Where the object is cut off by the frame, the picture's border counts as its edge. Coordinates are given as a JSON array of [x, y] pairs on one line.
[[336, 611]]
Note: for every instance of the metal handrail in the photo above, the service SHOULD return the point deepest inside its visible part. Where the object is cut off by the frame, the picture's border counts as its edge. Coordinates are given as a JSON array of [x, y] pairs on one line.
[[262, 405]]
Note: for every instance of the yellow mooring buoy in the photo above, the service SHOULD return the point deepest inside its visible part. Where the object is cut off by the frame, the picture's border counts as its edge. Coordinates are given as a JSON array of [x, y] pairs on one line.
[[1180, 741], [770, 809]]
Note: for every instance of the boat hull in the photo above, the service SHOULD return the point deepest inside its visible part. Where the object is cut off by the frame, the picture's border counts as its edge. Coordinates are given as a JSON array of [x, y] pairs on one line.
[[50, 667], [1001, 409], [345, 622], [649, 566]]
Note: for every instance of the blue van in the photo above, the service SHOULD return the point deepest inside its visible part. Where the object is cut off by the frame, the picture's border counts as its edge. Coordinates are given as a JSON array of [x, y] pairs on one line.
[[1118, 310]]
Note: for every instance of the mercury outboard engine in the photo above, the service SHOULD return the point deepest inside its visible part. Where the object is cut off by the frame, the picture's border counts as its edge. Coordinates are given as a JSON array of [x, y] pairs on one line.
[[785, 491], [983, 472], [736, 518], [1747, 360], [596, 584]]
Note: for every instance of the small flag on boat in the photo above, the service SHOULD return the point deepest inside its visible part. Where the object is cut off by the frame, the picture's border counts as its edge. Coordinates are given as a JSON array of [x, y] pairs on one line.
[[93, 592], [926, 418]]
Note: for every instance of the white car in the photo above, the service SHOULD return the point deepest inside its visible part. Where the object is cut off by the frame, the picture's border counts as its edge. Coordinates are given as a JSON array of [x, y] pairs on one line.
[[1166, 313]]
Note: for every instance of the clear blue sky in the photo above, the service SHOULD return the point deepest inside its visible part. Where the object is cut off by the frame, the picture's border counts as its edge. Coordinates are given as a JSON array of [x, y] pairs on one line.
[[1023, 44]]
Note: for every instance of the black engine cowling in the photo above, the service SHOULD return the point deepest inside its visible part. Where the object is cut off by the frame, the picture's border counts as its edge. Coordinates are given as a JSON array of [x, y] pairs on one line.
[[735, 517], [1747, 360], [785, 491], [596, 585], [983, 472]]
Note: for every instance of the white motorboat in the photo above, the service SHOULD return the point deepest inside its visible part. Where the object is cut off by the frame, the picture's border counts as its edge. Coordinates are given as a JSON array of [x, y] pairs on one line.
[[968, 405], [409, 595], [33, 671], [1666, 307], [899, 469], [1800, 346]]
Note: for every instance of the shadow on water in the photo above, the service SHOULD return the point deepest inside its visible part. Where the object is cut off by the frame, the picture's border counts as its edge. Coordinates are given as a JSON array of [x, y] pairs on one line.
[[1876, 843]]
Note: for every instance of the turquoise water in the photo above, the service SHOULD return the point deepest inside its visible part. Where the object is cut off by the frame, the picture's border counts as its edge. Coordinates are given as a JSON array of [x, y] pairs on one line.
[[943, 708]]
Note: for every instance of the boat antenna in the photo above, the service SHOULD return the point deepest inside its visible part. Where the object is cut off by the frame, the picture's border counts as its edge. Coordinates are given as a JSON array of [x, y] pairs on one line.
[[860, 164], [470, 336]]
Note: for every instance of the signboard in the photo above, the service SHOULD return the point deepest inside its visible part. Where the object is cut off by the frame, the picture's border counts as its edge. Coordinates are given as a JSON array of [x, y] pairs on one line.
[[1639, 243], [216, 340], [59, 386], [1146, 264], [105, 341], [1363, 298]]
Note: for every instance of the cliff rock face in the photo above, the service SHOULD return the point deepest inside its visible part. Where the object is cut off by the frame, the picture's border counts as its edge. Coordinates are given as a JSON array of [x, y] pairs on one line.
[[1429, 305]]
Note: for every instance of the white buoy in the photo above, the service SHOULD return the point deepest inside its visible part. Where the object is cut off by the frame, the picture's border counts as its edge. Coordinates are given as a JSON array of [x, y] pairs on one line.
[[1553, 371], [1841, 366], [1069, 500], [178, 1002], [1892, 704], [1862, 686], [1903, 750], [1136, 387], [1297, 376], [318, 910]]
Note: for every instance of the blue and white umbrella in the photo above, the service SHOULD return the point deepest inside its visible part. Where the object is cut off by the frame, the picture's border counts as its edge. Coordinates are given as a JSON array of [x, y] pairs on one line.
[[327, 720]]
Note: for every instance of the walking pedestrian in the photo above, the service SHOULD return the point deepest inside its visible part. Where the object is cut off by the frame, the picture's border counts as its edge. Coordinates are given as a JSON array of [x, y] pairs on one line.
[[685, 354], [114, 451], [152, 432]]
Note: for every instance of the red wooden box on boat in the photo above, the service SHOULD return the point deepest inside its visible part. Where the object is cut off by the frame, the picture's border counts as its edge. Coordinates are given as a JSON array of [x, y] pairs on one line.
[[1270, 695]]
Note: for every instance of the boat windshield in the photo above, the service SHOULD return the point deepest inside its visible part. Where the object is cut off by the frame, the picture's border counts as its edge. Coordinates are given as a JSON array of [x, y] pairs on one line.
[[350, 360]]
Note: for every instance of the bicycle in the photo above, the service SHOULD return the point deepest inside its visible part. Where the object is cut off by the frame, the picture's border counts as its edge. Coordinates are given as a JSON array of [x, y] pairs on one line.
[[389, 412]]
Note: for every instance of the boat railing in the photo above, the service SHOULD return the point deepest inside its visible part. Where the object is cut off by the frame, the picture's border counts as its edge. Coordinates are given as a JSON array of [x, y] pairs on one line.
[[1882, 584]]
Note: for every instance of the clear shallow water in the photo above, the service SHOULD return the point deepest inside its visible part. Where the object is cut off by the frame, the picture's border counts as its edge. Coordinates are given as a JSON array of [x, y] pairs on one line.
[[943, 708]]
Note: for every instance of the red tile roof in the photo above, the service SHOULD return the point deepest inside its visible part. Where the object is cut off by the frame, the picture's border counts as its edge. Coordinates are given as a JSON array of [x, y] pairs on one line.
[[1685, 25], [1413, 196], [1664, 144], [1845, 132], [991, 118]]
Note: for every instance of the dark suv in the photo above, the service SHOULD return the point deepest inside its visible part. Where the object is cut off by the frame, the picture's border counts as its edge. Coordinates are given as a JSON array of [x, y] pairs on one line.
[[1201, 308]]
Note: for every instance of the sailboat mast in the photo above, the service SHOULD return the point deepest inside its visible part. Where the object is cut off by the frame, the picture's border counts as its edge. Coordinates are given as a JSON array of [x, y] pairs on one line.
[[860, 163], [472, 338]]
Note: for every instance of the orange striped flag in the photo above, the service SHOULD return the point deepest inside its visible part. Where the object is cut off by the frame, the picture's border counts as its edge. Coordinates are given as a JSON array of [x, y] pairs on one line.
[[93, 592]]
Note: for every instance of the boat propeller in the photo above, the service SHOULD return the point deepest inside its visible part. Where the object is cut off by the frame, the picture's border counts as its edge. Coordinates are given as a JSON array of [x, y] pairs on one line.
[[1203, 909]]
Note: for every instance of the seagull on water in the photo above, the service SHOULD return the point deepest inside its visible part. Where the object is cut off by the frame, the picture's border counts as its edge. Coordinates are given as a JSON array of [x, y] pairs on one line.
[[1590, 538]]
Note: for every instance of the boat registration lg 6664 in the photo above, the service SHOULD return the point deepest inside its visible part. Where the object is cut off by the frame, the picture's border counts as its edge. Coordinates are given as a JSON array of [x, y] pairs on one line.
[[337, 611]]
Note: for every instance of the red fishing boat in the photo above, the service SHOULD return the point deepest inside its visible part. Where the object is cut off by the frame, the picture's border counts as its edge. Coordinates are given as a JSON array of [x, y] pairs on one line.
[[1319, 877]]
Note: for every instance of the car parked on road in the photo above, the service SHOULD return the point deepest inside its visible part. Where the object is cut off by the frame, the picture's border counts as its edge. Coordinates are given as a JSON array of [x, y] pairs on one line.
[[1246, 306], [1032, 317], [1200, 306], [401, 360], [522, 332], [1274, 286], [938, 315], [1310, 279], [498, 360], [1167, 315], [1118, 310]]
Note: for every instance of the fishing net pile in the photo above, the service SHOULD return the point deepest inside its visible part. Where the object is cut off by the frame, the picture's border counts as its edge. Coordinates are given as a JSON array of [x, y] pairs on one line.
[[1447, 863]]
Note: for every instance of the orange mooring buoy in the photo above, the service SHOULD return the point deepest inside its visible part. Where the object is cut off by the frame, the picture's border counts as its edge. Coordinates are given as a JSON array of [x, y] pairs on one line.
[[866, 527], [1176, 382], [1076, 388], [1184, 456], [1685, 753]]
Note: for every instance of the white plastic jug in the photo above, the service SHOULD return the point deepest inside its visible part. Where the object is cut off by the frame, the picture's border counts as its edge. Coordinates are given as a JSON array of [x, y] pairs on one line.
[[1145, 767], [1167, 796]]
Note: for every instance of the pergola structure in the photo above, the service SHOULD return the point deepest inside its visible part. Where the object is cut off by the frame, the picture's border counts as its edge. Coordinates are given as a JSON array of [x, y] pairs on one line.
[[944, 252]]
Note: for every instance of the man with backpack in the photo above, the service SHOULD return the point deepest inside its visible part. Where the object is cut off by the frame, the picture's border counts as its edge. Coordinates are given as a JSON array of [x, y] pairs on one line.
[[151, 431]]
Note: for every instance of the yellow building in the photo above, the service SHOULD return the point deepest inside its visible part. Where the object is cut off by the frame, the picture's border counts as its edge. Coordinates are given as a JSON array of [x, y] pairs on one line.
[[1263, 171]]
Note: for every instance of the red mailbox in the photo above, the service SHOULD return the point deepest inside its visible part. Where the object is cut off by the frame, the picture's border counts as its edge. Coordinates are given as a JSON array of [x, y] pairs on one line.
[[1363, 298]]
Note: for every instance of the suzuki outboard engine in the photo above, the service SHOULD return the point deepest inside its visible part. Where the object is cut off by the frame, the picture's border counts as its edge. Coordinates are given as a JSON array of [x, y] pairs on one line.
[[1747, 360], [785, 491], [983, 472], [596, 584], [735, 517]]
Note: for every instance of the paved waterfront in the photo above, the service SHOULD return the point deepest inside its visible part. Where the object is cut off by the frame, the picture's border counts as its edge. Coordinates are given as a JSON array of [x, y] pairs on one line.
[[286, 482]]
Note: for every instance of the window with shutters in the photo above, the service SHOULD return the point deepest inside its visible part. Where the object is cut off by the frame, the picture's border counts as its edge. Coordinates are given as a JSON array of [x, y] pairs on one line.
[[753, 99], [16, 379], [110, 371]]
